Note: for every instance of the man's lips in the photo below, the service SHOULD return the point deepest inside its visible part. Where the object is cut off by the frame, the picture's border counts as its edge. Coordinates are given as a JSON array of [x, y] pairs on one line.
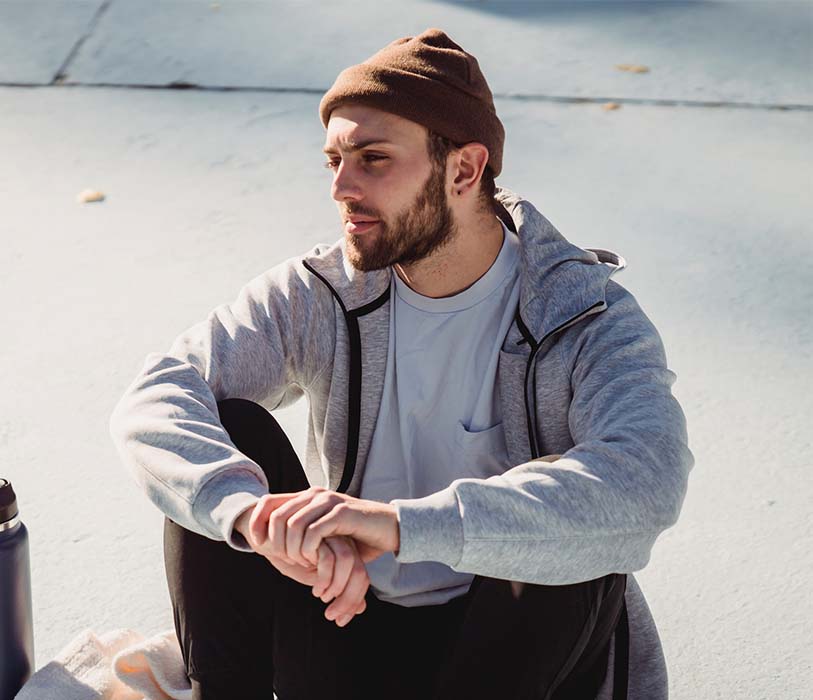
[[359, 226]]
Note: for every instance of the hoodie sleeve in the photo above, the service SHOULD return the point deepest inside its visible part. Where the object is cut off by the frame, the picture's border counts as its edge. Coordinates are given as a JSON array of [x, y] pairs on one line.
[[599, 507], [267, 345]]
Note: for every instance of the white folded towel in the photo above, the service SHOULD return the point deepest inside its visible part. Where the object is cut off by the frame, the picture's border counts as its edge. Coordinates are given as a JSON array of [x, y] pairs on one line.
[[118, 665]]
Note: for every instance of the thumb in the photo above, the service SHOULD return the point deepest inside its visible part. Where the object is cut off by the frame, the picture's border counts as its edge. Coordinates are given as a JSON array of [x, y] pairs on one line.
[[258, 522]]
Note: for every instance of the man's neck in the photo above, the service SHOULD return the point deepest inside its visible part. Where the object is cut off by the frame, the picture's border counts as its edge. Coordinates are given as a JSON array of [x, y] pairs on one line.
[[458, 265]]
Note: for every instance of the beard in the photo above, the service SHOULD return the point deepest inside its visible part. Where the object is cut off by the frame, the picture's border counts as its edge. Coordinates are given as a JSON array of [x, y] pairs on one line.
[[423, 227]]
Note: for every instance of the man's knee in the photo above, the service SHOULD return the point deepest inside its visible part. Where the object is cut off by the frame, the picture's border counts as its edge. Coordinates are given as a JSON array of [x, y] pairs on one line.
[[236, 410], [250, 426], [258, 435]]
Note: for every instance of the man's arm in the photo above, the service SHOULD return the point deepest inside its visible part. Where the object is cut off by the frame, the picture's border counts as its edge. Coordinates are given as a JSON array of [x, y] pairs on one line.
[[264, 346], [600, 506]]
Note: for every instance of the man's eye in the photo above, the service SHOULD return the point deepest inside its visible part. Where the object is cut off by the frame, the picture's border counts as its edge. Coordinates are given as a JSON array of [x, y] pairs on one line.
[[370, 157]]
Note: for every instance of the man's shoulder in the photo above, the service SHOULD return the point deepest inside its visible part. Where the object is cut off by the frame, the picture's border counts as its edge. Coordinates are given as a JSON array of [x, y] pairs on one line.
[[622, 323], [327, 252], [354, 287], [291, 283], [322, 256], [622, 303]]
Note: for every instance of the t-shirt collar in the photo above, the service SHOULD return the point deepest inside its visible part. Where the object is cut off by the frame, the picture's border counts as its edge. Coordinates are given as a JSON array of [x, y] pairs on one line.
[[504, 265]]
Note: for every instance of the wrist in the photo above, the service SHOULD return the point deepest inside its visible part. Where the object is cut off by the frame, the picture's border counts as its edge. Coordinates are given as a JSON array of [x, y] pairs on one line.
[[241, 524], [397, 530]]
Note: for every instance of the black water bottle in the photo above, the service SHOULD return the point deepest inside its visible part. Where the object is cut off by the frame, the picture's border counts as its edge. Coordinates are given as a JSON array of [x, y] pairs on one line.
[[16, 618]]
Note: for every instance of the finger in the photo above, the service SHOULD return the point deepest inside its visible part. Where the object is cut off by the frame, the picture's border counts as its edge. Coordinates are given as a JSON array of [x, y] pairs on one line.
[[344, 607], [258, 521], [342, 567], [336, 520], [278, 499], [324, 569], [353, 595], [277, 523], [325, 575], [316, 532], [350, 598], [297, 526]]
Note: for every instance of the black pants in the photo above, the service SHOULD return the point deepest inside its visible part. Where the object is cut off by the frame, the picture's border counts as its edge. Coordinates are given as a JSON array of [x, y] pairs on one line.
[[246, 630]]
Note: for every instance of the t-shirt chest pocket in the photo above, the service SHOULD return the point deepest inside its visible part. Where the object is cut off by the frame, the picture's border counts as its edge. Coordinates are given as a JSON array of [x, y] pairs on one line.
[[483, 453]]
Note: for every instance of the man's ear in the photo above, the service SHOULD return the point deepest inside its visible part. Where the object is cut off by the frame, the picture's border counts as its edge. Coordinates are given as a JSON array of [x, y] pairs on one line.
[[471, 161]]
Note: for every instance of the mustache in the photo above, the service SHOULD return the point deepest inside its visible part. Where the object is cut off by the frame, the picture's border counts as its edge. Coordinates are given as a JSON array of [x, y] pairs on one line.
[[347, 213]]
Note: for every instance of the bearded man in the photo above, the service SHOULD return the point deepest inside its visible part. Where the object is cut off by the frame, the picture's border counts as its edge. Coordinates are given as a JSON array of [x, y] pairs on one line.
[[493, 445]]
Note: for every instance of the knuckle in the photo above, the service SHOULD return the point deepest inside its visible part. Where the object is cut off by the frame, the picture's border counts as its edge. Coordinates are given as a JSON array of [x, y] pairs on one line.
[[295, 521], [323, 498]]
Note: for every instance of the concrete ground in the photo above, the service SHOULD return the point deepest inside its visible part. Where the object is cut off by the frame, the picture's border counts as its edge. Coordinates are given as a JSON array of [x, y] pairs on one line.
[[701, 180]]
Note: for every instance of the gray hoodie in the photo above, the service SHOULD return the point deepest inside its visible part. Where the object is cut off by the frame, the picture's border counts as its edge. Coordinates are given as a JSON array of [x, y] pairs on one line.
[[582, 374]]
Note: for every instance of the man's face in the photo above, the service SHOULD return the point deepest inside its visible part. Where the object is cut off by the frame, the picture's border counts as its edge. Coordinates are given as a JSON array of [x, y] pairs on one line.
[[382, 172]]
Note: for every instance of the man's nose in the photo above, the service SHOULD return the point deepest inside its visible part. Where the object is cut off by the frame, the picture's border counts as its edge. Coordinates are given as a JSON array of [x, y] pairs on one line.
[[345, 184]]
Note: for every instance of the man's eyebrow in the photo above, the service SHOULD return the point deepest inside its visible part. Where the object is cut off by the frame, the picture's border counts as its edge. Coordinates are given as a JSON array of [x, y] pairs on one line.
[[356, 145]]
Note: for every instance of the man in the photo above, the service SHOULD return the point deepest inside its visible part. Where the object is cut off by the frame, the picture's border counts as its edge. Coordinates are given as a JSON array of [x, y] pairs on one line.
[[493, 446]]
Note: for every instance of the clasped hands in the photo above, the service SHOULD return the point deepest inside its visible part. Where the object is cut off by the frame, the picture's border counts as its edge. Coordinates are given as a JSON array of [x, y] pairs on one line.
[[323, 538]]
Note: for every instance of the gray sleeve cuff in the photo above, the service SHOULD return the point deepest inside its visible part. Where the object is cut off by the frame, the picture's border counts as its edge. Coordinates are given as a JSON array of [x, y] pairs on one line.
[[431, 528], [222, 500]]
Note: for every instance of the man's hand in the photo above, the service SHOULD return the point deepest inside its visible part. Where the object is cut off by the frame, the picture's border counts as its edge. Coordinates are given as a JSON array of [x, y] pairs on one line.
[[339, 571], [293, 528], [299, 522]]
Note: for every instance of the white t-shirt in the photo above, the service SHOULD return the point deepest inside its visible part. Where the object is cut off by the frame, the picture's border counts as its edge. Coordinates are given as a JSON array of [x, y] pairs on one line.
[[440, 416]]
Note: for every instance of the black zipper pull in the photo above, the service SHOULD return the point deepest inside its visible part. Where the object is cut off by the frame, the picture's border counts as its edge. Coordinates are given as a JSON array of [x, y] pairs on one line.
[[526, 334]]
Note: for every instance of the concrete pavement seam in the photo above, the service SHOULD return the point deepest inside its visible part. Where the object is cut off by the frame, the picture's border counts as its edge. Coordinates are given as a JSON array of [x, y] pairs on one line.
[[63, 69], [663, 102]]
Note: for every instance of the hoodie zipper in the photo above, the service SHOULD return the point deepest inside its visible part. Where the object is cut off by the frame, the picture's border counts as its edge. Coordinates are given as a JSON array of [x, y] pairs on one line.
[[527, 336], [351, 318]]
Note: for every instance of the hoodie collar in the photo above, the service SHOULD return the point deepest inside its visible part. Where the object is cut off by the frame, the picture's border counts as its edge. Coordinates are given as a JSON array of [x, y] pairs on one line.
[[558, 280]]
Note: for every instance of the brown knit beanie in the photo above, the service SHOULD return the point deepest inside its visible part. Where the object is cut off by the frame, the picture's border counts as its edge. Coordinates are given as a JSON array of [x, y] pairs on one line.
[[427, 79]]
